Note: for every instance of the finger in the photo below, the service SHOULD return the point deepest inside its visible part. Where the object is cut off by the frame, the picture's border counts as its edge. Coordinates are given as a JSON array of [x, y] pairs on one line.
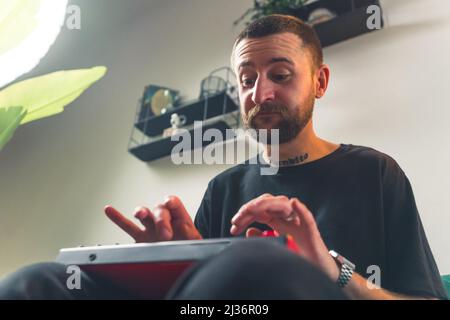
[[306, 217], [282, 226], [294, 218], [263, 212], [125, 224], [176, 208], [253, 232], [163, 223], [269, 218], [146, 217], [249, 205], [280, 205], [261, 217], [248, 219]]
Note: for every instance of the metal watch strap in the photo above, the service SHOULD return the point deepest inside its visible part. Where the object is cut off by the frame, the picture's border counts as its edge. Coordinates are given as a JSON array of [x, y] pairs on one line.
[[344, 276], [346, 269]]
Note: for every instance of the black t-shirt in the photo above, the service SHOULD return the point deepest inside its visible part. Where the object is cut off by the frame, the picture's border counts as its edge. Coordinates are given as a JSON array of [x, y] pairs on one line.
[[363, 205]]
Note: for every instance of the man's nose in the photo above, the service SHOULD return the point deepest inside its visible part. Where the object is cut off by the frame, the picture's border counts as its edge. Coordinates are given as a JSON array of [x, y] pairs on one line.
[[263, 91]]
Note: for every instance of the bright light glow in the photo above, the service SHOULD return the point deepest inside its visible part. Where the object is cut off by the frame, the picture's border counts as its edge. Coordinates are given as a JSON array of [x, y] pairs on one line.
[[22, 57]]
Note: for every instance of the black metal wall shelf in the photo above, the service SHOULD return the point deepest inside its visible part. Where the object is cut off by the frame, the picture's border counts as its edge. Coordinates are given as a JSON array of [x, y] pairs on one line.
[[196, 110], [351, 20], [218, 109], [162, 147]]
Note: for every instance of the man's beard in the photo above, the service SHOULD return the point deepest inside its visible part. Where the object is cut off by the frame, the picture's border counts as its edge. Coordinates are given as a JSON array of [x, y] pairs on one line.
[[290, 125]]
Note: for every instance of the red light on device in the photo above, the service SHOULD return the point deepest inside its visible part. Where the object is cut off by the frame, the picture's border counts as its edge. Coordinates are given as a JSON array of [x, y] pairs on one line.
[[290, 242]]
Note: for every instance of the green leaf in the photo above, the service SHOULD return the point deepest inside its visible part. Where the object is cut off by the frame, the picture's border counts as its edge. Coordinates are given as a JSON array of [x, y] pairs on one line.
[[10, 119], [47, 95]]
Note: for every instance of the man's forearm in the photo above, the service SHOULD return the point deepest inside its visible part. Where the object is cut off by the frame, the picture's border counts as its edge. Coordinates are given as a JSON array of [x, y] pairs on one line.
[[359, 288]]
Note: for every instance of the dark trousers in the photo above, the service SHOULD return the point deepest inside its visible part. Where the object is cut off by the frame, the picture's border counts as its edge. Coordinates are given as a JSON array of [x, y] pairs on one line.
[[252, 270]]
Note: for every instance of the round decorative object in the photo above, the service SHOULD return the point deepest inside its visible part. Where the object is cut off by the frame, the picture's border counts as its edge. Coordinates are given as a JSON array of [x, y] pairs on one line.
[[320, 15], [161, 100]]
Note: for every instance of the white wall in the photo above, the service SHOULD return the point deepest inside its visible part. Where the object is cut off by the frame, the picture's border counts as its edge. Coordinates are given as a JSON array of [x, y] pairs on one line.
[[387, 91]]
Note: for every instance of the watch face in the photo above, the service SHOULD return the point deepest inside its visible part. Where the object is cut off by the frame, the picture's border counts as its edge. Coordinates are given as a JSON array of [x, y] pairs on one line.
[[334, 254], [341, 260]]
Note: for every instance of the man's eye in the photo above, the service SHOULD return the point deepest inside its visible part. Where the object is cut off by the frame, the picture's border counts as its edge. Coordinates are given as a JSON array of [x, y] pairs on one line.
[[281, 77], [247, 82]]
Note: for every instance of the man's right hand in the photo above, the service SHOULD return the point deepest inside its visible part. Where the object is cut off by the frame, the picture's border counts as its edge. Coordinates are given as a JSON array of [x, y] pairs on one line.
[[168, 221]]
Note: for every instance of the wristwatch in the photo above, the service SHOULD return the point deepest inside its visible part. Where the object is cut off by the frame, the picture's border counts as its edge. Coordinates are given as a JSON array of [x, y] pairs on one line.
[[346, 269]]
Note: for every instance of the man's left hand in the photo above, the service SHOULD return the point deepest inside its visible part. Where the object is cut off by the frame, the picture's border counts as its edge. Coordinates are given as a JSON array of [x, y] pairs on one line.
[[287, 216]]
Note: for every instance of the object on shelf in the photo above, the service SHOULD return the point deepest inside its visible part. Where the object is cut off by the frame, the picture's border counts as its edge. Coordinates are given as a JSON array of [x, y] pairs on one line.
[[176, 121], [157, 100], [157, 148], [216, 108], [350, 20], [320, 15], [212, 85], [263, 8], [333, 20]]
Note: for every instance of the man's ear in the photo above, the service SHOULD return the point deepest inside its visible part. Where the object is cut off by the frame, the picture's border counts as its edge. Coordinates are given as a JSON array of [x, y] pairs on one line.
[[321, 79]]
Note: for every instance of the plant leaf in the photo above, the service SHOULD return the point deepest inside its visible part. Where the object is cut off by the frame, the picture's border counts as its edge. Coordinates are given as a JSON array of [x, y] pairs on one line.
[[47, 95], [10, 119]]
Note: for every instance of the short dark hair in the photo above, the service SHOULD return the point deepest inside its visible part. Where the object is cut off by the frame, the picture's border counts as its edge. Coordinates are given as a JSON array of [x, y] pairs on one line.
[[278, 23]]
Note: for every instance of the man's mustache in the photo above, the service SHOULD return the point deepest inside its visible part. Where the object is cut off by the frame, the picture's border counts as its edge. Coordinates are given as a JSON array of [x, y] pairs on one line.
[[267, 108]]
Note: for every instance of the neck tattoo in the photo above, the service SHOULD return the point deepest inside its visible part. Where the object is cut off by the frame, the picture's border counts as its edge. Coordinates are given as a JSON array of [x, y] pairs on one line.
[[291, 161]]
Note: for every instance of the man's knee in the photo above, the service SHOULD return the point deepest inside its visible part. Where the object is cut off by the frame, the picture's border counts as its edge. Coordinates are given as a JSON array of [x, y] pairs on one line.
[[255, 252], [256, 270], [261, 262], [33, 281]]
